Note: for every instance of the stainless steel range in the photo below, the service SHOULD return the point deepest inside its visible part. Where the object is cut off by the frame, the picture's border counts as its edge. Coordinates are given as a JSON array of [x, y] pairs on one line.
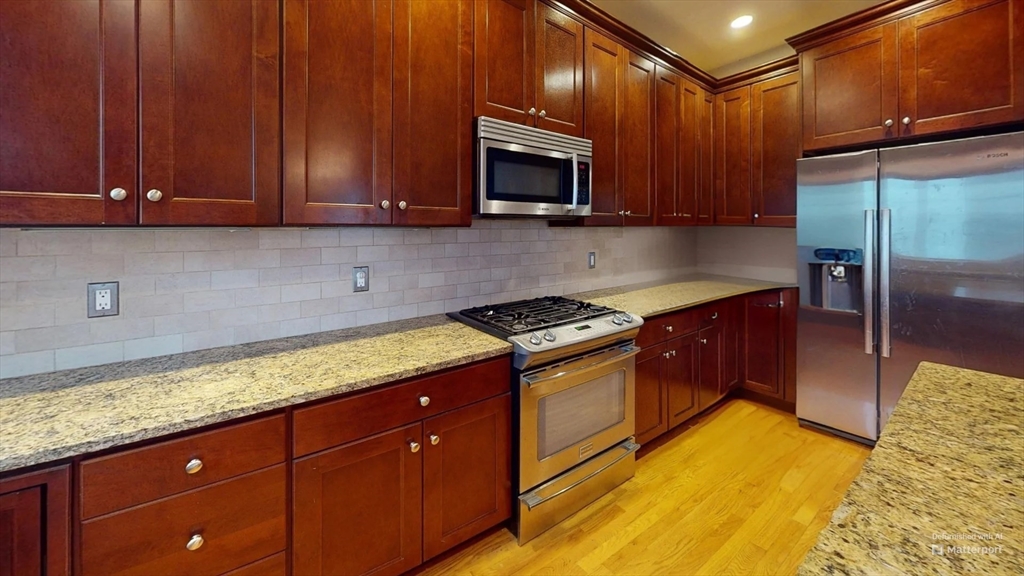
[[573, 382]]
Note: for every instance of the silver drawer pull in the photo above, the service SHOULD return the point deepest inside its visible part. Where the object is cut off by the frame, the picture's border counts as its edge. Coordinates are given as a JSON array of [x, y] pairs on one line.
[[195, 542], [668, 328], [715, 315], [194, 465], [434, 439], [424, 400]]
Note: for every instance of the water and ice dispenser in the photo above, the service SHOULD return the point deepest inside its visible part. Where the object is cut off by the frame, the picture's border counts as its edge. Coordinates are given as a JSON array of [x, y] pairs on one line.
[[836, 279]]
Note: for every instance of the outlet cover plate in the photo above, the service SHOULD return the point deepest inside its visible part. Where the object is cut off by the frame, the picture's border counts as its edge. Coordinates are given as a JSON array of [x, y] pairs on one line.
[[591, 260], [102, 299], [360, 278]]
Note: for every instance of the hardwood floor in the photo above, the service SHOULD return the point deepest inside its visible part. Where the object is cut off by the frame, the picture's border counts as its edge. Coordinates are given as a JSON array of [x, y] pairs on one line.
[[745, 491]]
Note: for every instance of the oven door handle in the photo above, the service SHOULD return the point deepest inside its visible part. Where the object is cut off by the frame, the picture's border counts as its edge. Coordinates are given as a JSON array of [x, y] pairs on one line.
[[532, 500], [627, 352], [575, 181]]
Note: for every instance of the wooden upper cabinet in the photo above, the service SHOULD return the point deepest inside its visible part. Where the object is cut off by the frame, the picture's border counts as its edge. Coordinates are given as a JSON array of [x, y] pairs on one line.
[[603, 125], [706, 153], [357, 509], [678, 104], [504, 59], [337, 112], [559, 72], [775, 148], [732, 157], [637, 147], [210, 112], [850, 89], [433, 113], [68, 128], [961, 66]]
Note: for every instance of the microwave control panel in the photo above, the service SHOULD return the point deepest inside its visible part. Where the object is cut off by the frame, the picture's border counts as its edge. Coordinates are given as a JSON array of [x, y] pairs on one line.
[[583, 173]]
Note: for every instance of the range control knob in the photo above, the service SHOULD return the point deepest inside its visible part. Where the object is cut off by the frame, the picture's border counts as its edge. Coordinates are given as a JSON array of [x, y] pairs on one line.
[[617, 320], [535, 339], [549, 336], [627, 317]]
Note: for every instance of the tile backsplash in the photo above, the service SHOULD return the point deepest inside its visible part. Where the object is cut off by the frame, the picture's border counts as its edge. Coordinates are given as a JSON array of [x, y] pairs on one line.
[[184, 290]]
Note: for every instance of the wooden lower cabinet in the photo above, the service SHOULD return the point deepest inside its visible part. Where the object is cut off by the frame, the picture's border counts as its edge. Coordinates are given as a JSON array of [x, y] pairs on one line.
[[651, 395], [358, 507], [682, 377], [35, 521], [710, 389], [763, 350]]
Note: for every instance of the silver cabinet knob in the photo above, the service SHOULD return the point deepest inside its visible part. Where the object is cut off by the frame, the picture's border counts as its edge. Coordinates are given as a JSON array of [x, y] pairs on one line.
[[756, 215], [673, 352], [543, 114], [668, 328], [629, 212], [385, 204], [194, 465], [402, 205], [195, 542], [154, 195], [414, 447], [888, 122], [664, 354], [532, 112], [906, 120], [424, 400], [435, 439], [703, 340], [622, 212], [118, 194]]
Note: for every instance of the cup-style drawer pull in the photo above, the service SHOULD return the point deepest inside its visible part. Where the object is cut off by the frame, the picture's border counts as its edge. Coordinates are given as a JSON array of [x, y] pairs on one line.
[[703, 340], [194, 465], [715, 315], [668, 328], [195, 542], [414, 446], [424, 400], [664, 354], [434, 439]]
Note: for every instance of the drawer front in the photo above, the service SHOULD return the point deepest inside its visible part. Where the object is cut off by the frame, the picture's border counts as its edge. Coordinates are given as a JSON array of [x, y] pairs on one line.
[[334, 423], [240, 521], [272, 566], [115, 482], [661, 328]]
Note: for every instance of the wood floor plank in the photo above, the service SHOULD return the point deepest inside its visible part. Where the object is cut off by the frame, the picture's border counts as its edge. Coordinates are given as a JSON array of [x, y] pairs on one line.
[[744, 491]]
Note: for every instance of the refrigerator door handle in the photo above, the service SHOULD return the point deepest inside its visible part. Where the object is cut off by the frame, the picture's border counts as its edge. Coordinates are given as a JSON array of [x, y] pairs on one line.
[[883, 277], [869, 281]]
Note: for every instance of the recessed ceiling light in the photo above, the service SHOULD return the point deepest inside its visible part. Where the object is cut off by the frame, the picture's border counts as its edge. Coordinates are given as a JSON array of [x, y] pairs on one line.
[[742, 21]]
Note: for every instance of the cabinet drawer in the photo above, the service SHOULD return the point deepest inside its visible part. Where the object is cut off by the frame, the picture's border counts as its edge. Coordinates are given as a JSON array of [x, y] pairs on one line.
[[661, 328], [334, 423], [272, 566], [125, 479], [240, 521]]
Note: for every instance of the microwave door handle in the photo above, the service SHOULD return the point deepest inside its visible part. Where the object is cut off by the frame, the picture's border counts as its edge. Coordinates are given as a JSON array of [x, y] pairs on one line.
[[627, 352], [575, 180]]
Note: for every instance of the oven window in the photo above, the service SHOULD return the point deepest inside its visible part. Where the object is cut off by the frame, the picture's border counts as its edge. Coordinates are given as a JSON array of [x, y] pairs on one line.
[[571, 416], [521, 177]]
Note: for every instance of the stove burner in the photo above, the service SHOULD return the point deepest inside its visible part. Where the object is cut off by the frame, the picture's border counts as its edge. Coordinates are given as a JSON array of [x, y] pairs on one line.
[[532, 315]]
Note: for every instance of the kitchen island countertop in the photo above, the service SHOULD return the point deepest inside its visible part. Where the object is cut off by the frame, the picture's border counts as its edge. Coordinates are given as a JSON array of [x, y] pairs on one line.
[[943, 490]]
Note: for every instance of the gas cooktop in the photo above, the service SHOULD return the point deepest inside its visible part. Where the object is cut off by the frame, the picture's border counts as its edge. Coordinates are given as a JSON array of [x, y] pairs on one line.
[[532, 315]]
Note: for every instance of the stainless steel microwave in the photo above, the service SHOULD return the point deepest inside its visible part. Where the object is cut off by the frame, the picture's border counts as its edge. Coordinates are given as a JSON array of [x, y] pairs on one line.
[[524, 171]]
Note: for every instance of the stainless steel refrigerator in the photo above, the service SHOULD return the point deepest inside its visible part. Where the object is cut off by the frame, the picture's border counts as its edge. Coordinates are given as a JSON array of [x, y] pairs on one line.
[[905, 255]]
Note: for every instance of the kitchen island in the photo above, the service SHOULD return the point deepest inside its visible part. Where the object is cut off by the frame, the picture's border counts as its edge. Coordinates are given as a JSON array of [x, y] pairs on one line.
[[943, 490]]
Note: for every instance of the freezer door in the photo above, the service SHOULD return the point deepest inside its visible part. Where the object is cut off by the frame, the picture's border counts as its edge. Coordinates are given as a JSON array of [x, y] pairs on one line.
[[836, 375], [953, 222]]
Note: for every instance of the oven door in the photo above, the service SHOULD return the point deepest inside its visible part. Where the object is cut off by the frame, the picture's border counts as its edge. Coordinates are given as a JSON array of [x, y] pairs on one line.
[[524, 180], [574, 410]]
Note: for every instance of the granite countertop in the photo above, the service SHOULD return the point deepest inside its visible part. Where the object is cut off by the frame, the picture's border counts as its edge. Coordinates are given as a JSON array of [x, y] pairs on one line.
[[48, 417], [948, 473]]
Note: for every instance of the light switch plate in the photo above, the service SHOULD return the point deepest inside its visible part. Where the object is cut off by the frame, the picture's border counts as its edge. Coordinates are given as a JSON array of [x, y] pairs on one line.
[[360, 278], [102, 299], [591, 260]]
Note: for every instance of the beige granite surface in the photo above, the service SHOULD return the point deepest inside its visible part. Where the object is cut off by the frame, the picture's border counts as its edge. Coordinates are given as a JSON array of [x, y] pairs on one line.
[[47, 417], [948, 473]]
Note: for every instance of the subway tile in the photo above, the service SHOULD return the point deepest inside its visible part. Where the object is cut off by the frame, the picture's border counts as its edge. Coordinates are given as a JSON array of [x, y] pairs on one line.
[[456, 277], [53, 242], [372, 254], [209, 260], [9, 242], [205, 339], [380, 269], [320, 238], [7, 342], [386, 299], [301, 256], [36, 339], [14, 365], [270, 239], [320, 307], [442, 292], [456, 250], [432, 279], [300, 326], [182, 240], [417, 236], [425, 251], [28, 268], [443, 236], [182, 282], [225, 279], [298, 292], [234, 239], [321, 273], [257, 296], [430, 308], [480, 249], [338, 321], [467, 236], [444, 264], [342, 255], [114, 328], [388, 236], [91, 355], [280, 276], [159, 305], [355, 237], [372, 316], [181, 323], [278, 312], [122, 241], [403, 252], [234, 317], [401, 312], [151, 347], [256, 332], [154, 262], [463, 290], [417, 266], [355, 303], [8, 293], [416, 295], [404, 282], [212, 300], [50, 290], [257, 259], [26, 316]]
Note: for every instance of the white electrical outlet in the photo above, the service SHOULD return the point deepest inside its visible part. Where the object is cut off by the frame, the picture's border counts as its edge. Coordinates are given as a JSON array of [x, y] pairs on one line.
[[102, 299], [591, 259]]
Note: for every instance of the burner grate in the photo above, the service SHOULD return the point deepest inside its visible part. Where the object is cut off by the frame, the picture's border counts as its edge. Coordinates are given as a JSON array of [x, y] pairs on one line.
[[537, 314]]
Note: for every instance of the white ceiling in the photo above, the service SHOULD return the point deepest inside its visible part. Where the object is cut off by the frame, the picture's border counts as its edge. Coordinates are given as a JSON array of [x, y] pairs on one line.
[[698, 30]]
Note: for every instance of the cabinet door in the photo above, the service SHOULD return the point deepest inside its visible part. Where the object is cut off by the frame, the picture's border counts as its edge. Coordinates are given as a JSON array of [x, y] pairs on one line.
[[67, 112], [651, 395], [710, 389], [433, 113], [850, 90], [21, 532], [559, 72], [706, 144], [732, 344], [961, 66], [337, 112], [776, 148], [210, 112], [603, 126], [667, 133], [732, 160], [358, 507], [638, 141], [504, 72], [763, 349], [682, 375], [467, 483]]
